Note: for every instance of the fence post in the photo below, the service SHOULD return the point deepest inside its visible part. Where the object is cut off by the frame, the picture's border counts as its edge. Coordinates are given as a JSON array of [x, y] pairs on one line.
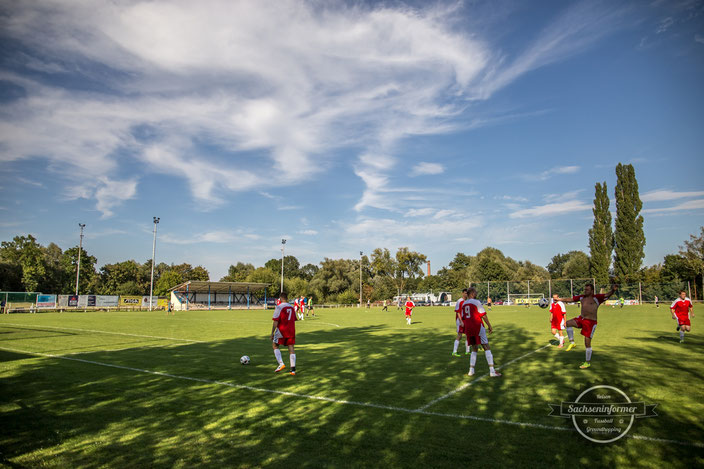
[[508, 292], [571, 289], [529, 292], [549, 289]]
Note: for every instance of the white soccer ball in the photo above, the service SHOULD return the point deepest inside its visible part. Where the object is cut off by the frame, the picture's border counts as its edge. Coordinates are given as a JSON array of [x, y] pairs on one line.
[[244, 360], [543, 302]]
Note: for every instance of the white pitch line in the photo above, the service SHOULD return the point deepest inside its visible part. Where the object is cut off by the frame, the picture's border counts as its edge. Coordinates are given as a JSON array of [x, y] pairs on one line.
[[100, 332], [344, 402], [466, 385]]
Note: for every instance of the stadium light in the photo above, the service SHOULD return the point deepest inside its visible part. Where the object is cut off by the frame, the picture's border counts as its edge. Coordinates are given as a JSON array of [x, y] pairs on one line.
[[283, 243], [360, 278], [151, 284], [80, 247]]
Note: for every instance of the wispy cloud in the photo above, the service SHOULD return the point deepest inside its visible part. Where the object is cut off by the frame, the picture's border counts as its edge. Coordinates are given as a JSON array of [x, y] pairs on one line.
[[683, 207], [308, 232], [559, 170], [665, 194], [553, 209], [216, 236], [422, 169]]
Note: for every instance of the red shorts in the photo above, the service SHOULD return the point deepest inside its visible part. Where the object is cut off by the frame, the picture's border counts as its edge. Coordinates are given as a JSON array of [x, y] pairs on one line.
[[408, 313], [683, 320], [474, 340], [557, 323], [286, 341], [460, 326], [588, 326]]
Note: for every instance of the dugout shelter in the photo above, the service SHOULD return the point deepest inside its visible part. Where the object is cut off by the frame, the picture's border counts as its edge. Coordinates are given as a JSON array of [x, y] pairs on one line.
[[197, 294]]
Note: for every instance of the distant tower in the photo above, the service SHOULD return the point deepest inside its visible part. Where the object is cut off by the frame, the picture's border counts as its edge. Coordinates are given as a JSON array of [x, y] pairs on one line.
[[428, 268]]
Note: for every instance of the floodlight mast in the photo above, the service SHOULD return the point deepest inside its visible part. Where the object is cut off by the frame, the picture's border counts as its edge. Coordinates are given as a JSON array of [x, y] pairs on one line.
[[151, 284], [80, 248], [360, 278], [283, 244]]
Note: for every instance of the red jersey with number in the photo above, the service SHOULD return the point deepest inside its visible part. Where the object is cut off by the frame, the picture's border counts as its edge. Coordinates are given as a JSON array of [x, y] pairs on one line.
[[681, 307], [472, 313], [286, 316], [409, 306]]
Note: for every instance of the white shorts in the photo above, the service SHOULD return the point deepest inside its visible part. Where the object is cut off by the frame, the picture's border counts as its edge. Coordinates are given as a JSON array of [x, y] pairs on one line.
[[482, 335]]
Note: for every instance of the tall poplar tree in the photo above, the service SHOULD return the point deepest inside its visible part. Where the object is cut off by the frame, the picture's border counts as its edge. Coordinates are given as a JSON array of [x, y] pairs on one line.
[[601, 236], [629, 238]]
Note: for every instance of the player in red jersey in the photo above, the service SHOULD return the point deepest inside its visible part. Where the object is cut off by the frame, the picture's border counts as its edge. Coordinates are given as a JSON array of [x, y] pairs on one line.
[[587, 319], [283, 332], [557, 319], [409, 310], [473, 314], [681, 310], [459, 324]]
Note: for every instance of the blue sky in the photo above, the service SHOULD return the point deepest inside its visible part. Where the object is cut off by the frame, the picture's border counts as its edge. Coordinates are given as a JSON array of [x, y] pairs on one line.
[[445, 127]]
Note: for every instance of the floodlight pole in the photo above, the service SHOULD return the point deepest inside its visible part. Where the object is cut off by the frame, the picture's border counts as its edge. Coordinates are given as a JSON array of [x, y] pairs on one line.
[[80, 248], [283, 244], [151, 285], [360, 278]]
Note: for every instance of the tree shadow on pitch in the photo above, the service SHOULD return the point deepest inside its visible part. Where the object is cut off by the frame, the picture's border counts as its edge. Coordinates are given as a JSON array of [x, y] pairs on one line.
[[95, 415]]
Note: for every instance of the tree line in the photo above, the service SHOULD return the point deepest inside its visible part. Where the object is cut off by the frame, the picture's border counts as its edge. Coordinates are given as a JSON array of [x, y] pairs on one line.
[[616, 252]]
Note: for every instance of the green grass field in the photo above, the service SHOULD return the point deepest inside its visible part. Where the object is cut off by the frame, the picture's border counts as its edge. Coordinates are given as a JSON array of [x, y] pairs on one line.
[[136, 389]]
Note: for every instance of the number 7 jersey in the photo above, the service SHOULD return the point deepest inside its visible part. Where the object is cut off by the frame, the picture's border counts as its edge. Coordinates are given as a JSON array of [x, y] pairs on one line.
[[286, 316]]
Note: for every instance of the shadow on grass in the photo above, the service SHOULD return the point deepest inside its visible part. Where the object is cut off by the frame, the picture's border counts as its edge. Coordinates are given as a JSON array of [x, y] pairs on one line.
[[71, 414]]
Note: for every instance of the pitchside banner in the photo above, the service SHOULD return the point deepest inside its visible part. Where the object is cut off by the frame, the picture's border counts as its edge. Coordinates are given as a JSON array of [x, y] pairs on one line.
[[86, 301], [46, 301], [107, 301], [131, 300]]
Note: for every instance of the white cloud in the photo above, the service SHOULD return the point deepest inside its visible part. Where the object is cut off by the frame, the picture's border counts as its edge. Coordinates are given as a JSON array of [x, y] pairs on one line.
[[557, 171], [665, 194], [308, 232], [684, 206], [564, 196], [553, 209], [110, 193], [215, 236], [422, 169]]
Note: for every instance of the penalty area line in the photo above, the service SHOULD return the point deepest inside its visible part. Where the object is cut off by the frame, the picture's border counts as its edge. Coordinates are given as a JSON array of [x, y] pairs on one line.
[[341, 401], [466, 385], [11, 325]]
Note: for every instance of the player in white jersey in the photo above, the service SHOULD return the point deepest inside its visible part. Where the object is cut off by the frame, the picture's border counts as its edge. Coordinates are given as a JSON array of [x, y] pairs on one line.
[[459, 324]]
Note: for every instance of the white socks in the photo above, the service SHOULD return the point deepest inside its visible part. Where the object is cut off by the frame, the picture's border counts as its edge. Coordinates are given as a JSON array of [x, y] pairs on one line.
[[457, 344], [473, 359], [589, 354], [468, 347], [570, 334], [277, 354], [490, 361], [292, 358], [557, 335], [408, 320], [681, 334], [561, 339]]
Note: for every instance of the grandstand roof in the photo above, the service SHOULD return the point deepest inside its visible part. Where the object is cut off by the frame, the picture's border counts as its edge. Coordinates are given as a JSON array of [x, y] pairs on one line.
[[199, 286]]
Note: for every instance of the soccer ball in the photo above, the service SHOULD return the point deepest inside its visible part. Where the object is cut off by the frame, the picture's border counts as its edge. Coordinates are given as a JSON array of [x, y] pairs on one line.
[[543, 302], [244, 360]]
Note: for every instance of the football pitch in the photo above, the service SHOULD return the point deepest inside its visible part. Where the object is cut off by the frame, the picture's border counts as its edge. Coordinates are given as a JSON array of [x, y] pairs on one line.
[[137, 389]]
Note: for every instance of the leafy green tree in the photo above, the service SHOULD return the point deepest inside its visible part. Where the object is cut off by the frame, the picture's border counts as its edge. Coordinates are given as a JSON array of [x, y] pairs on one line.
[[291, 266], [601, 237], [308, 271], [577, 266], [10, 277], [69, 261], [334, 277], [129, 288], [25, 252], [167, 280], [264, 275], [115, 276], [693, 253], [629, 238], [238, 273]]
